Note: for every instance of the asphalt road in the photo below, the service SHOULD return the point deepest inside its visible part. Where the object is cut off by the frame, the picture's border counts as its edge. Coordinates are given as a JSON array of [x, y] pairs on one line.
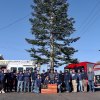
[[62, 96]]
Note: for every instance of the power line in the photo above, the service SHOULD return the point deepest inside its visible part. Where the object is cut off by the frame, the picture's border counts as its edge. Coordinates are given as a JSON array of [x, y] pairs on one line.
[[89, 25], [16, 21], [90, 19], [90, 15]]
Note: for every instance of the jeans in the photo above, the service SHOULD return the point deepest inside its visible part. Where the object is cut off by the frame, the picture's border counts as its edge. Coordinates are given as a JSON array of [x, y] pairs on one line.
[[91, 85], [32, 85], [20, 86], [67, 86], [36, 89], [80, 86], [51, 81], [26, 86]]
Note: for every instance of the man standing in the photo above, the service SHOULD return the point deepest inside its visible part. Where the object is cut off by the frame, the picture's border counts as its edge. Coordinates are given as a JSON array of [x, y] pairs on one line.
[[33, 78], [91, 80], [26, 80], [61, 77], [7, 78], [20, 77], [67, 79], [84, 80], [74, 80], [80, 85]]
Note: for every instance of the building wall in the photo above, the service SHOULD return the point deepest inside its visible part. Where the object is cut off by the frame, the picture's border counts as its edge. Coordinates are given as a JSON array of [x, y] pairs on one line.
[[11, 64]]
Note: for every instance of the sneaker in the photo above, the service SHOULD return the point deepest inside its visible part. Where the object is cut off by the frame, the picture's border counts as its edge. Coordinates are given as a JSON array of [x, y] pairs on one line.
[[2, 91], [59, 91], [93, 91]]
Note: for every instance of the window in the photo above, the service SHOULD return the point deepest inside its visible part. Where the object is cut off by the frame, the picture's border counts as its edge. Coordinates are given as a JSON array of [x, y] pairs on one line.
[[29, 68], [20, 69], [90, 66], [79, 68], [14, 69]]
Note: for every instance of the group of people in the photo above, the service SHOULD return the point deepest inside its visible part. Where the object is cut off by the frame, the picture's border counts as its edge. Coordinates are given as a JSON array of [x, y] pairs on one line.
[[33, 81]]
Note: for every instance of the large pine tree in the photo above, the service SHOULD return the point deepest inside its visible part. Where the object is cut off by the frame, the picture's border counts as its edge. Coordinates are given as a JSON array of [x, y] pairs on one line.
[[51, 30]]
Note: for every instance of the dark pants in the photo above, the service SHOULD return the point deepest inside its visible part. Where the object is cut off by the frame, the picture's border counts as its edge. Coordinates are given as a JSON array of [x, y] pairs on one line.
[[6, 87], [1, 85], [15, 85], [11, 86]]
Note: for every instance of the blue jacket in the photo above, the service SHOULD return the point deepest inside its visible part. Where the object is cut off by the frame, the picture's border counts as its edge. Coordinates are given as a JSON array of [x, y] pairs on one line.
[[79, 75], [56, 75], [74, 76], [27, 77], [90, 76], [1, 76], [67, 77], [84, 75], [43, 75], [38, 83], [34, 75], [20, 77], [61, 77]]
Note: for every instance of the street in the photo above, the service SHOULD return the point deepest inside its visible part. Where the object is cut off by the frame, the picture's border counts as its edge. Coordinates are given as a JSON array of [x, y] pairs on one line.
[[61, 96]]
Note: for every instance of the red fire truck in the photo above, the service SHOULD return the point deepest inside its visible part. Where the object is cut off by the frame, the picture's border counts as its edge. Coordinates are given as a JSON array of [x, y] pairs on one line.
[[86, 66], [81, 65]]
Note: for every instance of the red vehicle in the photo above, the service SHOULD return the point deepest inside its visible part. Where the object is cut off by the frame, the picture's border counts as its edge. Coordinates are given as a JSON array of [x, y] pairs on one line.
[[81, 65], [97, 75], [86, 66]]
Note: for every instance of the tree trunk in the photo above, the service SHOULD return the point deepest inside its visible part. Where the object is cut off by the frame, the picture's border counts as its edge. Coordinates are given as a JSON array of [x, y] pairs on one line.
[[52, 52]]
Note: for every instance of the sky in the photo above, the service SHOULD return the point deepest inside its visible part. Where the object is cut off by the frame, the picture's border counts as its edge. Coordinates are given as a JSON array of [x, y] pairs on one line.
[[15, 27], [87, 16]]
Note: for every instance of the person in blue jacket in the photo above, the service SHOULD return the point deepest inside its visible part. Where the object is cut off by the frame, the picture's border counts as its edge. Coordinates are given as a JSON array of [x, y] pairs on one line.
[[80, 85], [91, 79], [26, 81], [33, 78], [20, 78], [67, 79], [74, 78]]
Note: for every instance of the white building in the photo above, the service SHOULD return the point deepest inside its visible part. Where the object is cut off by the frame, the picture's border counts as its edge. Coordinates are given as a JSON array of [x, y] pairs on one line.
[[15, 65]]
